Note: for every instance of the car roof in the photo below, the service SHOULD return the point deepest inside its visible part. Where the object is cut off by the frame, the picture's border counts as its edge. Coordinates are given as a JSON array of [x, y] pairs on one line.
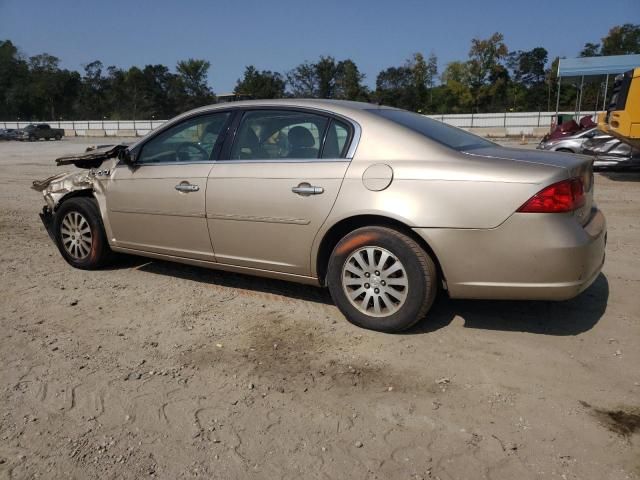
[[341, 107]]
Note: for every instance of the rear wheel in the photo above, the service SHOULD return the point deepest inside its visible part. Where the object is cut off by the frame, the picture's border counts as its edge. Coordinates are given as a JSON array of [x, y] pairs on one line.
[[80, 234], [566, 150], [58, 136], [381, 279]]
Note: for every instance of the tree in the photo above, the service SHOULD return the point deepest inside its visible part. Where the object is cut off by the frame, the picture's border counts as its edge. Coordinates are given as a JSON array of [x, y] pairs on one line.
[[326, 71], [51, 90], [348, 84], [432, 74], [622, 40], [528, 67], [192, 75], [264, 84], [488, 77], [14, 79], [302, 80], [590, 50], [455, 96], [420, 74], [327, 79], [92, 95], [394, 87], [485, 57]]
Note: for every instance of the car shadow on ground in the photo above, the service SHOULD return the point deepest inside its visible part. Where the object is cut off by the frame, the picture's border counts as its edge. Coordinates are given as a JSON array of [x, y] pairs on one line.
[[220, 278], [570, 317], [622, 176]]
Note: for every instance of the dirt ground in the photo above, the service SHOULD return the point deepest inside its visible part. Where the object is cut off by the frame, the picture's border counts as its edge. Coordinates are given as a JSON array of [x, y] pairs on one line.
[[151, 369]]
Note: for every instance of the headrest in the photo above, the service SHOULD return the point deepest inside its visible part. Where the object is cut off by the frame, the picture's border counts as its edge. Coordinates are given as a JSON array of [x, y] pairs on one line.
[[300, 137], [249, 138]]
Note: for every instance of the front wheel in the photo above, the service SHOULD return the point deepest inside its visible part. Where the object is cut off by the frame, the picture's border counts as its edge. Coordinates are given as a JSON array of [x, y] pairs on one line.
[[80, 235], [381, 279]]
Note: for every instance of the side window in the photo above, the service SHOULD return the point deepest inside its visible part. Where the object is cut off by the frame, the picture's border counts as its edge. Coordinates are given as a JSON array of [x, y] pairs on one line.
[[336, 142], [278, 134], [192, 140]]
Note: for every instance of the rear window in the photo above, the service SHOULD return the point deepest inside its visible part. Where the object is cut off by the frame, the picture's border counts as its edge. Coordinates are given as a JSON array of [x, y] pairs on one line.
[[447, 135]]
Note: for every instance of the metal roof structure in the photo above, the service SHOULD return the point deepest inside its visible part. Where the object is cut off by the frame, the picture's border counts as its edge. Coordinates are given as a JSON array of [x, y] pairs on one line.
[[600, 66], [593, 69]]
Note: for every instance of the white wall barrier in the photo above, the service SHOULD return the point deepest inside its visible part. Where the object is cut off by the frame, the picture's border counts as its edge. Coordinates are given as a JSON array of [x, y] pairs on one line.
[[488, 124]]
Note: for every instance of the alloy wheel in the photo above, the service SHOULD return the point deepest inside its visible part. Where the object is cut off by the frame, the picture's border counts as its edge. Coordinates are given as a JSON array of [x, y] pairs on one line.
[[375, 281], [76, 235]]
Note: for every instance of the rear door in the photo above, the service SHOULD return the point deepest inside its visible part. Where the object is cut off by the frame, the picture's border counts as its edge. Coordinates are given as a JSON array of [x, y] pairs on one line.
[[274, 187]]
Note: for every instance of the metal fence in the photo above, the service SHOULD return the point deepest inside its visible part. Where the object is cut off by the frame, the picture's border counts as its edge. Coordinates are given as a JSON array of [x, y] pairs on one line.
[[510, 123], [84, 127]]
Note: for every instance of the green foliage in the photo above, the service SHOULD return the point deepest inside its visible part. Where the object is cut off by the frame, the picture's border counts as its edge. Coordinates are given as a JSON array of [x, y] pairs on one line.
[[327, 79], [491, 79], [622, 40], [264, 84]]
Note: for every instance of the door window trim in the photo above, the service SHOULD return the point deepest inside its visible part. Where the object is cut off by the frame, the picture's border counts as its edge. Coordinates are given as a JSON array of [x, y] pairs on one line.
[[354, 133], [217, 148]]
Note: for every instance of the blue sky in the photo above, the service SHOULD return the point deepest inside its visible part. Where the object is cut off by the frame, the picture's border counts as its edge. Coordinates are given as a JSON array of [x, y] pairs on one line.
[[277, 35]]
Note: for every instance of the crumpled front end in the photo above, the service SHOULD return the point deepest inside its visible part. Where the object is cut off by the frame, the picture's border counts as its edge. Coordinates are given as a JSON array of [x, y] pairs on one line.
[[58, 186], [55, 188]]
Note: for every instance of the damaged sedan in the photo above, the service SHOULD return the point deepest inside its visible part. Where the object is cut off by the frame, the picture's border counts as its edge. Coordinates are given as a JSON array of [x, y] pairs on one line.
[[382, 206]]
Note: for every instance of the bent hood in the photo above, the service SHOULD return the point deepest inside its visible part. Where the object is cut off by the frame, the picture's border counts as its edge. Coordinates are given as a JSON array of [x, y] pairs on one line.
[[93, 156]]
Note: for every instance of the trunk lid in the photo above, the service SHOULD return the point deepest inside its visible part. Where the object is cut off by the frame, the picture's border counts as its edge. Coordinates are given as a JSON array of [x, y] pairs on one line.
[[580, 166]]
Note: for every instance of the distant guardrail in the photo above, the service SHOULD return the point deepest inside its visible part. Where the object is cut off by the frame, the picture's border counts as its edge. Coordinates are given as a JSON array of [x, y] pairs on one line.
[[488, 124]]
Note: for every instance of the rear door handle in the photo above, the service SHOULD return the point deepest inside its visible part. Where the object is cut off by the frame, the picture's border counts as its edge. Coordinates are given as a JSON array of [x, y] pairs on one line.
[[305, 189], [187, 187]]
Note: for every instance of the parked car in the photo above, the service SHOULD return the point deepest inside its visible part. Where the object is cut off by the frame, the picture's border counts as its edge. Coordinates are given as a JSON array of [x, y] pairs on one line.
[[573, 143], [613, 154], [9, 134], [38, 131], [382, 206], [569, 128]]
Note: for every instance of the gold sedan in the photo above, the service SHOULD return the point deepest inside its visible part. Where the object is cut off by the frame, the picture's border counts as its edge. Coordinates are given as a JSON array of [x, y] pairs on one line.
[[382, 206]]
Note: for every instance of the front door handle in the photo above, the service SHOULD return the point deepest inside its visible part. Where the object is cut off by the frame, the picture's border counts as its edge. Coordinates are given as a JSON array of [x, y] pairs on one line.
[[187, 187], [305, 189]]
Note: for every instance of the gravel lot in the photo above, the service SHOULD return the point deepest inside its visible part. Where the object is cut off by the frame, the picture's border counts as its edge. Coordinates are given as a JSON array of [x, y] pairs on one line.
[[151, 369]]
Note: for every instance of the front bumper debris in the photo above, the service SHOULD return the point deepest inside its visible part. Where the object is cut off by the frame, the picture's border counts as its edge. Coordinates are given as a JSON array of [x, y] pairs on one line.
[[47, 220]]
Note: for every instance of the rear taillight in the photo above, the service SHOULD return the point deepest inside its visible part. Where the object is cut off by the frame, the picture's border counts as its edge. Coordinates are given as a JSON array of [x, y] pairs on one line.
[[564, 196]]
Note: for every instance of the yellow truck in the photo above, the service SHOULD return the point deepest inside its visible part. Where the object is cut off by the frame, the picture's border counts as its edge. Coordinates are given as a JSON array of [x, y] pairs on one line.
[[622, 118]]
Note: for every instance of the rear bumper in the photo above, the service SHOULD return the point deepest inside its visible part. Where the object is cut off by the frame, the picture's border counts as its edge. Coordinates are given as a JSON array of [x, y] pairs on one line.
[[529, 257]]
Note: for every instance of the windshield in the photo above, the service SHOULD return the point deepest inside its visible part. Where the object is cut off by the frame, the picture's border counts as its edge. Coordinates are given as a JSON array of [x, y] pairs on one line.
[[447, 135]]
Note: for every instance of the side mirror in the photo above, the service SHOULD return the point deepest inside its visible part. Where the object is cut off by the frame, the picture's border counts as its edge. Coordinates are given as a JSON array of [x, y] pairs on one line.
[[127, 157]]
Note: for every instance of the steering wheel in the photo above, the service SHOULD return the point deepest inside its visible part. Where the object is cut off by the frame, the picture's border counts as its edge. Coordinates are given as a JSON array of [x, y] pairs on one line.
[[182, 155]]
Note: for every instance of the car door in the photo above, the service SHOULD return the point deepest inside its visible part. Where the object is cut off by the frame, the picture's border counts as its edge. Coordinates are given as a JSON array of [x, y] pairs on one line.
[[274, 187], [158, 205]]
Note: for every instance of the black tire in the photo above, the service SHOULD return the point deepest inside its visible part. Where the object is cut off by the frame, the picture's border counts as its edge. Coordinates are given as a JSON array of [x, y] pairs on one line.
[[32, 138], [58, 137], [419, 267], [99, 253], [565, 150]]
